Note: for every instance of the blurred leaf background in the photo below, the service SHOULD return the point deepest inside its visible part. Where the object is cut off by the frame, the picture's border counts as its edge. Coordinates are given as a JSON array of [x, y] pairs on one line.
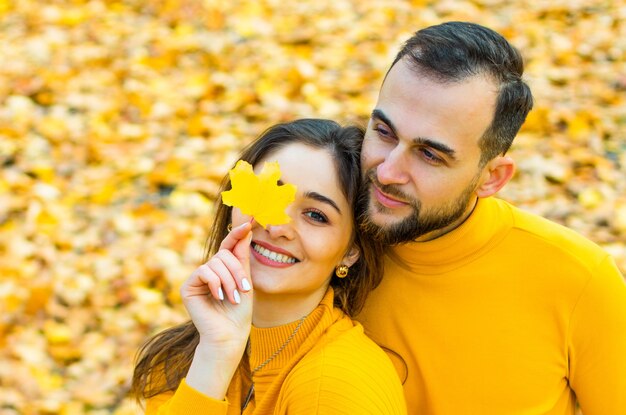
[[118, 119]]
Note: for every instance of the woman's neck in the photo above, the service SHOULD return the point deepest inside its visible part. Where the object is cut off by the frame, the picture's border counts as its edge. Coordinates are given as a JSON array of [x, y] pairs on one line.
[[271, 310]]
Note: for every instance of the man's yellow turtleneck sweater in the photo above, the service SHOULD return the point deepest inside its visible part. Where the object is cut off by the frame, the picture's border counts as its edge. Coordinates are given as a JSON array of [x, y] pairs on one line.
[[507, 314], [329, 367]]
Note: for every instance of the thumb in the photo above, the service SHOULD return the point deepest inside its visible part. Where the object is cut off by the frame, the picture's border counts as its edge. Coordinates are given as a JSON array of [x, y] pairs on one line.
[[242, 251]]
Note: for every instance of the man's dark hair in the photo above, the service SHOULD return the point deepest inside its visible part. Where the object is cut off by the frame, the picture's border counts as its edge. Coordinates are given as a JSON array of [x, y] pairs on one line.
[[454, 51]]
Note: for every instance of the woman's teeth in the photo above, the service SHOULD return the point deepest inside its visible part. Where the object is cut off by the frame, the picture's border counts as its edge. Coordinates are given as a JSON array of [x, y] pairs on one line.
[[274, 256]]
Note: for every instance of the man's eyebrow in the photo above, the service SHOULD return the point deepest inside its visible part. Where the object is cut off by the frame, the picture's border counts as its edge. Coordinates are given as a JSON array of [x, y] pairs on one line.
[[323, 199], [381, 116], [422, 141], [436, 145]]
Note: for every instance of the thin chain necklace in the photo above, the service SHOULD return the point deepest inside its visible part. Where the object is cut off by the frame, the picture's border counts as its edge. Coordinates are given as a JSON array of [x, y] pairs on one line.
[[250, 393]]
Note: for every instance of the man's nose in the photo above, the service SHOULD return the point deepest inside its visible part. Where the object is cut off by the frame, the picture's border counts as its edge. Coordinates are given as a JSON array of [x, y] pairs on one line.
[[393, 170]]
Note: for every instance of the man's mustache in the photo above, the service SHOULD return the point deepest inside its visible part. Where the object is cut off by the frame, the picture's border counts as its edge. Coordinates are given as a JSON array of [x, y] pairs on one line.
[[388, 189]]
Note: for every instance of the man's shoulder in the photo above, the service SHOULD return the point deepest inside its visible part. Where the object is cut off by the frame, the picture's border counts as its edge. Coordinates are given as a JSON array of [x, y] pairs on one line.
[[544, 231]]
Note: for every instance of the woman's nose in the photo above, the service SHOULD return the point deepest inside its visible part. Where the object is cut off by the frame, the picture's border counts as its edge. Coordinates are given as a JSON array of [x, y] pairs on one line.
[[281, 231]]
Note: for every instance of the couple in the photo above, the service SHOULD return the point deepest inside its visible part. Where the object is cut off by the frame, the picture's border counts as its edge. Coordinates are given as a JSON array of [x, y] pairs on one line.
[[483, 308]]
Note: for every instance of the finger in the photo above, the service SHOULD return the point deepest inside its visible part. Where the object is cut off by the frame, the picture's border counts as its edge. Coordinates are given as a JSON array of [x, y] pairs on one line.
[[242, 252], [227, 279], [208, 280], [238, 233], [236, 268]]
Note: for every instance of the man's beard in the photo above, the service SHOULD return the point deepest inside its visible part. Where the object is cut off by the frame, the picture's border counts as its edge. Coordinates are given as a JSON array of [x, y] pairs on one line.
[[418, 223]]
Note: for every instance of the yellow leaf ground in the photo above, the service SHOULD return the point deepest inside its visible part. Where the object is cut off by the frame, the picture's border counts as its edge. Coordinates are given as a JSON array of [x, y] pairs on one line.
[[119, 118]]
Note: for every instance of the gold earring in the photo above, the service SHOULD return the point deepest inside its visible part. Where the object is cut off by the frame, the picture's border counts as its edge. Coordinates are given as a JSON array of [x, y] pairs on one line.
[[341, 271], [229, 227]]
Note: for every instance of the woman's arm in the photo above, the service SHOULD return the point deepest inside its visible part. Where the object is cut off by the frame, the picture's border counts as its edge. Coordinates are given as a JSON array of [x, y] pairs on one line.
[[219, 303], [217, 296], [185, 400]]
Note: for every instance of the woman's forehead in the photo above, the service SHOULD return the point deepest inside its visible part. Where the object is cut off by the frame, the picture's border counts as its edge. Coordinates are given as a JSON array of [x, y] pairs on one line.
[[310, 168]]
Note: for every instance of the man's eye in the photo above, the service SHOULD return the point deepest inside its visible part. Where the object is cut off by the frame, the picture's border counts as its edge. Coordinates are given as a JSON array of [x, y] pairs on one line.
[[316, 215], [430, 156], [381, 130]]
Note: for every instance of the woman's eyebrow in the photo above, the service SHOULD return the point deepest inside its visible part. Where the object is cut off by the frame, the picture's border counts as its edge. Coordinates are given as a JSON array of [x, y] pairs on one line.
[[323, 199], [318, 197]]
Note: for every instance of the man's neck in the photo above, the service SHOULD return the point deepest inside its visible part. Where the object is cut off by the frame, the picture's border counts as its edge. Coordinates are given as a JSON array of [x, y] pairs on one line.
[[447, 229]]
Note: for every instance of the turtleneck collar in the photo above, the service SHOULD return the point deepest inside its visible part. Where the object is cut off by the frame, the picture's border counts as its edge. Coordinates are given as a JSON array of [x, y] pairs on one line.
[[483, 228], [264, 342]]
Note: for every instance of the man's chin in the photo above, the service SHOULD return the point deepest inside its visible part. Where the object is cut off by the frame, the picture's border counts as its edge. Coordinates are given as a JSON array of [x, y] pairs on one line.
[[385, 222]]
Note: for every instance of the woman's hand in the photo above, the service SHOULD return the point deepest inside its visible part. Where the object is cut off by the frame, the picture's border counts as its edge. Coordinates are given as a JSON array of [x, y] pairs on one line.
[[218, 298]]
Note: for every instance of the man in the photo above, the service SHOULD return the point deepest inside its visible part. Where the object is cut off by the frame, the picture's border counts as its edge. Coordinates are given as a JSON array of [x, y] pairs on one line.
[[484, 309]]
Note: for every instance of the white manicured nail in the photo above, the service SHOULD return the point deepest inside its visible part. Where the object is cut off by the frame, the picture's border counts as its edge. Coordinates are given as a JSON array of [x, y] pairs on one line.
[[236, 296], [220, 293], [245, 284]]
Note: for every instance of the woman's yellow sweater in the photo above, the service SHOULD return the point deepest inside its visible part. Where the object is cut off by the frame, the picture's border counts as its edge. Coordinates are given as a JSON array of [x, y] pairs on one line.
[[330, 366]]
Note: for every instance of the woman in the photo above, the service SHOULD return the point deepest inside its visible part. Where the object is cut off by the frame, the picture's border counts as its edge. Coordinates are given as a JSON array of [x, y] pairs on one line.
[[297, 350]]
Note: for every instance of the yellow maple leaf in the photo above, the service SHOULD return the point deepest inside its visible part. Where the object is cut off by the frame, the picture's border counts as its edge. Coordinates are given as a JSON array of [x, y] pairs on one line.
[[259, 196]]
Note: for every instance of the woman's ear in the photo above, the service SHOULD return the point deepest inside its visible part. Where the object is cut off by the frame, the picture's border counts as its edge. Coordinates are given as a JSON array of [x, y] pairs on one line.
[[496, 174], [352, 256]]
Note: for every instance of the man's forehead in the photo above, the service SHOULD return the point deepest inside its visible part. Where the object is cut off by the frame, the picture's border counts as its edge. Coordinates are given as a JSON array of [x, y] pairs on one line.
[[455, 114]]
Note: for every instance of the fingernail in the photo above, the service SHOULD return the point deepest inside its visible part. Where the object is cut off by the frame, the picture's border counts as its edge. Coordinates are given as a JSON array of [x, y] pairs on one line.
[[245, 284], [220, 293], [236, 296]]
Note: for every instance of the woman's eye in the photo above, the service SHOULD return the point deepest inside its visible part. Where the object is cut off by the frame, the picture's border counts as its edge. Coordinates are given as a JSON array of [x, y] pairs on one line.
[[316, 215]]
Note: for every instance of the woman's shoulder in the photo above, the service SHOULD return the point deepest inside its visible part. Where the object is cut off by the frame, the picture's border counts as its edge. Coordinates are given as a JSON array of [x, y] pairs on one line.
[[347, 340], [346, 369], [343, 342]]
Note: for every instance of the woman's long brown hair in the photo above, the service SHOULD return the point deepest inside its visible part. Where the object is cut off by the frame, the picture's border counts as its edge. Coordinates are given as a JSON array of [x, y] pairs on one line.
[[164, 360]]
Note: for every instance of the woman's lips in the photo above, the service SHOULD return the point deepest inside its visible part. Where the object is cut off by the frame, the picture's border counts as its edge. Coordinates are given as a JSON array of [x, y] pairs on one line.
[[272, 256]]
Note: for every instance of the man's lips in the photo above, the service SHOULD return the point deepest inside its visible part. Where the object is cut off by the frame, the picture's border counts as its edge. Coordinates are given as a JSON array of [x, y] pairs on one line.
[[386, 200]]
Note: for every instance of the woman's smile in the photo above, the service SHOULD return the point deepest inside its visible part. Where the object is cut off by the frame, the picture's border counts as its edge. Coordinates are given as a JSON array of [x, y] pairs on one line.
[[272, 256]]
